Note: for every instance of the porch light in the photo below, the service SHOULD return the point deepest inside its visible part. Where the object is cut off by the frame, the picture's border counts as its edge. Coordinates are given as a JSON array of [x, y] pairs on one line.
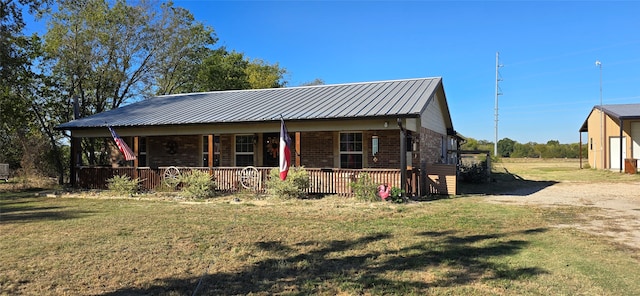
[[374, 145], [386, 124]]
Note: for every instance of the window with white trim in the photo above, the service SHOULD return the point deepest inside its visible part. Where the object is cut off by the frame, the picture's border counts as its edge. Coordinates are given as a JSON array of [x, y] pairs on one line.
[[351, 150], [244, 150]]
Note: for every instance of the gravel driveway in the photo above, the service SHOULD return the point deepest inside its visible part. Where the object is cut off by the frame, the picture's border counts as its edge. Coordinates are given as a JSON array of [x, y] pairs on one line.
[[618, 204]]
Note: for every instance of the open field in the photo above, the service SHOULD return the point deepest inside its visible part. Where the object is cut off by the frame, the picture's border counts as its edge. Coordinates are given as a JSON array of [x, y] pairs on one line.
[[476, 244], [565, 170]]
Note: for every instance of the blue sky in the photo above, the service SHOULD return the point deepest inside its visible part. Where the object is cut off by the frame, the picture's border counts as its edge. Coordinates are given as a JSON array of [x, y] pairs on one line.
[[549, 79]]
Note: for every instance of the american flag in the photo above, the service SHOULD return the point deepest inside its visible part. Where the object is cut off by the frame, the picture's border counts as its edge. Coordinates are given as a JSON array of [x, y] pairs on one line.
[[285, 151], [126, 151]]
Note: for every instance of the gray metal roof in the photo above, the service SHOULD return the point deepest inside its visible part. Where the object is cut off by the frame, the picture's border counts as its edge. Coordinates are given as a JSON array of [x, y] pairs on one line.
[[622, 111], [402, 98], [618, 111]]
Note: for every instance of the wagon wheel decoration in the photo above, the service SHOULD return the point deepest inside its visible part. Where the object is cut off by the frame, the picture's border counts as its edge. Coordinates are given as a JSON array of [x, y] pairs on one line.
[[250, 178], [171, 176]]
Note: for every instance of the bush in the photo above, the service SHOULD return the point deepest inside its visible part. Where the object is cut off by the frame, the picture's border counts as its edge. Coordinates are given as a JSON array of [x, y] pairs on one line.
[[364, 189], [396, 195], [197, 184], [294, 186], [123, 185], [474, 173]]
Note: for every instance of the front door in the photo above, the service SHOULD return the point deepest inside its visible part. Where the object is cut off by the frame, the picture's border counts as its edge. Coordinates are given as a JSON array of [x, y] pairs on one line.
[[271, 144], [635, 138], [614, 153]]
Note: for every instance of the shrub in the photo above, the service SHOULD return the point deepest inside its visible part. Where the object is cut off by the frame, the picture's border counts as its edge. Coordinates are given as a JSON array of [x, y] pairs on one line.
[[294, 186], [123, 185], [474, 173], [396, 195], [197, 184], [364, 189]]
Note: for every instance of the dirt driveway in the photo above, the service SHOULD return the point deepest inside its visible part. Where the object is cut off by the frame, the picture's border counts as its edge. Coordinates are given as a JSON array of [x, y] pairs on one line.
[[618, 206]]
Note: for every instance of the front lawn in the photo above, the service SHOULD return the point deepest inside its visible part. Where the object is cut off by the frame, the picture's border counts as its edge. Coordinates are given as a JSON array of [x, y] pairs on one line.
[[76, 245]]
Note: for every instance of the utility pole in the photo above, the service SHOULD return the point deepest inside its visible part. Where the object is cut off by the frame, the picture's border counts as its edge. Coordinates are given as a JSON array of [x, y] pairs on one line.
[[498, 93], [599, 65]]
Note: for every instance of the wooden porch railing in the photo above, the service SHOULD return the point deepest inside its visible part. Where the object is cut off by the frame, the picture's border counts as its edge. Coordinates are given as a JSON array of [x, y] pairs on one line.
[[228, 179]]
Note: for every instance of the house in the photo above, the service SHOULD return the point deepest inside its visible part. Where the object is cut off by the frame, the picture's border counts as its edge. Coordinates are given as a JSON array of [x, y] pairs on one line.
[[381, 127], [613, 140]]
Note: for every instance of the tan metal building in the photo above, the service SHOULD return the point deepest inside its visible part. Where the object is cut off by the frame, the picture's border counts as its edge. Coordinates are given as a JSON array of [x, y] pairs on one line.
[[613, 137]]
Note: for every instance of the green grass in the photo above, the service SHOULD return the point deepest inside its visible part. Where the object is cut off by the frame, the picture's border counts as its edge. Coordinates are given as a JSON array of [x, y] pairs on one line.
[[330, 246]]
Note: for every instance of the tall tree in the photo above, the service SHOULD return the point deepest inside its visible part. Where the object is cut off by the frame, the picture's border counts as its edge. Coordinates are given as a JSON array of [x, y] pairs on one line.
[[187, 46], [109, 52], [262, 75], [505, 147], [224, 70], [317, 81], [18, 53]]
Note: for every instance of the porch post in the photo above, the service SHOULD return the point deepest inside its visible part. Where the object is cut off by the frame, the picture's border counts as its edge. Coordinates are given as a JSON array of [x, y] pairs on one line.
[[298, 157], [210, 151], [136, 147], [74, 161], [621, 128], [403, 158]]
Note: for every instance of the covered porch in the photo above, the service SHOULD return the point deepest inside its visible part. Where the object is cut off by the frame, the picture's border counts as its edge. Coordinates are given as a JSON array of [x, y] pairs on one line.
[[399, 132], [233, 179]]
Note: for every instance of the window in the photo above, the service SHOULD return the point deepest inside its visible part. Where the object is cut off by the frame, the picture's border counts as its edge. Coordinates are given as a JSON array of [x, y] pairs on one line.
[[351, 150], [244, 150], [216, 151], [142, 151]]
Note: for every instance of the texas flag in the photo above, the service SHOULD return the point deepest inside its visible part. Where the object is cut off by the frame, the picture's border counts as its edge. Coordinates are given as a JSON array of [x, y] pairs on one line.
[[285, 151], [126, 151]]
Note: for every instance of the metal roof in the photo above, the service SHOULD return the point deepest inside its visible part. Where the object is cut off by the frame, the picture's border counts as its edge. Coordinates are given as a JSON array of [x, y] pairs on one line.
[[622, 111], [401, 98], [617, 111]]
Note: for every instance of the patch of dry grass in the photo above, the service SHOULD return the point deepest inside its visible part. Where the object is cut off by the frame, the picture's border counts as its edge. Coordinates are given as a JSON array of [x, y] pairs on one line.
[[567, 170], [532, 174], [81, 245]]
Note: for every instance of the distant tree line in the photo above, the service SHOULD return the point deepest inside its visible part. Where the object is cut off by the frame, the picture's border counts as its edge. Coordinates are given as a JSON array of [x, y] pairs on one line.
[[510, 148]]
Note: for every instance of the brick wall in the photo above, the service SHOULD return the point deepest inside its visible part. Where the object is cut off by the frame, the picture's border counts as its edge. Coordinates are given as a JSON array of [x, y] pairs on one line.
[[185, 151], [226, 150], [316, 149], [430, 146], [388, 149]]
